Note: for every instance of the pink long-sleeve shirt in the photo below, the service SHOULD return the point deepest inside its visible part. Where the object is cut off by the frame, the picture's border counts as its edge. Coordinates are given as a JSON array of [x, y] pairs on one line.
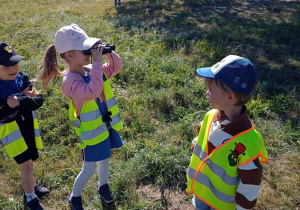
[[73, 85]]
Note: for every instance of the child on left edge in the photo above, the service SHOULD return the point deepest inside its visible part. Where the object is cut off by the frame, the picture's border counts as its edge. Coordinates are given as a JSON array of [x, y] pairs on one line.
[[19, 132]]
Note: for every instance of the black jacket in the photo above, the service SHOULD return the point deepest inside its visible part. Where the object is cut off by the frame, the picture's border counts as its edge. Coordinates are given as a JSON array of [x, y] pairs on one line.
[[23, 113]]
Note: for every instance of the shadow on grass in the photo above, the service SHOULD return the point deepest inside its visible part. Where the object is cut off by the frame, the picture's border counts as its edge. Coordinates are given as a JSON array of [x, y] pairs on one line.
[[105, 206], [266, 32]]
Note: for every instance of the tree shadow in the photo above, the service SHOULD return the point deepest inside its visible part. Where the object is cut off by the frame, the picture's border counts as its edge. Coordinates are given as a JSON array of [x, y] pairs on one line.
[[258, 30]]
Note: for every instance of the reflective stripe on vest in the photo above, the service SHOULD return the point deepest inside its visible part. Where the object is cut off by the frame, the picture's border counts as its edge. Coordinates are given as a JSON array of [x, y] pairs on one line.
[[203, 179], [12, 139], [89, 135], [89, 126], [215, 168], [112, 107], [37, 134], [214, 178], [110, 103]]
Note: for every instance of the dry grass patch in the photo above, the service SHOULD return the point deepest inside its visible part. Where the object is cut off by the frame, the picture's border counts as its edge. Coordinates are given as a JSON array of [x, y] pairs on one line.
[[174, 200]]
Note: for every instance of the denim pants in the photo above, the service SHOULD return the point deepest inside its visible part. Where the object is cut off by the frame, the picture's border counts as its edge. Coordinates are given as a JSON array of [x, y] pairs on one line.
[[200, 205]]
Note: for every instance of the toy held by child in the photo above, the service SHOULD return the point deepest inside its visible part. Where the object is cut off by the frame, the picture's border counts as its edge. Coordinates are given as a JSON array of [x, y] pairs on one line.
[[19, 130], [225, 169], [93, 109]]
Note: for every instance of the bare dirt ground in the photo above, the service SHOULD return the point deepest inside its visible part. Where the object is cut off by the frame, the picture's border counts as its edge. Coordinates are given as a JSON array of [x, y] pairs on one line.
[[175, 200]]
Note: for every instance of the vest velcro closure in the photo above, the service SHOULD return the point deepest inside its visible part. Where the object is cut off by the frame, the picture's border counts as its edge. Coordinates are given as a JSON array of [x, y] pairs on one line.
[[106, 118]]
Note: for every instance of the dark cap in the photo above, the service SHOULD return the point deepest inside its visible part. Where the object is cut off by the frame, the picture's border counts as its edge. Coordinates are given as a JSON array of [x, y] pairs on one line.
[[8, 56], [236, 72]]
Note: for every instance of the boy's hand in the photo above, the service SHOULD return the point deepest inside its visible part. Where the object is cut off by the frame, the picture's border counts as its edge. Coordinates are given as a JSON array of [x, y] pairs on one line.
[[30, 93], [13, 102], [192, 147]]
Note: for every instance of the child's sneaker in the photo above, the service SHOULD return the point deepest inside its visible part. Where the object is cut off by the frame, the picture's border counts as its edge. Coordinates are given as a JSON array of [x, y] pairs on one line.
[[105, 194], [34, 204], [75, 203], [40, 191]]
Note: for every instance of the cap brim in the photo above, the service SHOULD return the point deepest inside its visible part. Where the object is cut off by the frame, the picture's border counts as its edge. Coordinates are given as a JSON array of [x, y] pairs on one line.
[[205, 72], [87, 44], [15, 59]]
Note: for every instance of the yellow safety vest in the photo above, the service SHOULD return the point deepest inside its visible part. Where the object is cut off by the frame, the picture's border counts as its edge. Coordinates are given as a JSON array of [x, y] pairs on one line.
[[12, 139], [89, 127], [214, 178]]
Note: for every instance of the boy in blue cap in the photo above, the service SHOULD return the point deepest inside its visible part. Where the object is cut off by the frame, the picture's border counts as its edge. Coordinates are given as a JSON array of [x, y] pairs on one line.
[[19, 131], [225, 169]]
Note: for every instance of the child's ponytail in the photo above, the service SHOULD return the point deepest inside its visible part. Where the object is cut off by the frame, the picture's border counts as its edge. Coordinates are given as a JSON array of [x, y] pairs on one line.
[[50, 68]]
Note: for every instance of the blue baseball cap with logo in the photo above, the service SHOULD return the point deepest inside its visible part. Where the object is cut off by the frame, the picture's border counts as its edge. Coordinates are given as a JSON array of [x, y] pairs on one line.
[[236, 72]]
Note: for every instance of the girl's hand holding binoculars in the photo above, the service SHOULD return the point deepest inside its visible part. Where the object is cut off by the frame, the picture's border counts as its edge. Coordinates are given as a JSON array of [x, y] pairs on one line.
[[97, 52]]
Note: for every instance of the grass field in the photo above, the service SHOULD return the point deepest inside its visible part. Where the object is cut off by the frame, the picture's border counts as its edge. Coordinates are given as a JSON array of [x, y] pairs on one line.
[[161, 43]]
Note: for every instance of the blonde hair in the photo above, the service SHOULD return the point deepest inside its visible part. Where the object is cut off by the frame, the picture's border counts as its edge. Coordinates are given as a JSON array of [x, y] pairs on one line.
[[241, 97], [50, 68]]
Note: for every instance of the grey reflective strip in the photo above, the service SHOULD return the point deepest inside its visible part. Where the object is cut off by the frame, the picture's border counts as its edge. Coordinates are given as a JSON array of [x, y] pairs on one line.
[[37, 133], [199, 152], [79, 139], [33, 115], [111, 102], [215, 168], [11, 137], [88, 135], [115, 119], [221, 173], [203, 179], [191, 172], [89, 116], [76, 123]]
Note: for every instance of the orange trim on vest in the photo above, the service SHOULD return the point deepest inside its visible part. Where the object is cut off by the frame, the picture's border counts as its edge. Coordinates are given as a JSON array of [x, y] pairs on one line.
[[229, 140], [251, 159], [266, 160], [205, 202]]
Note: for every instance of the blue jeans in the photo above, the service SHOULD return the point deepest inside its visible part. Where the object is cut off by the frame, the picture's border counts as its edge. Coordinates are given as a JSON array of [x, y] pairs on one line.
[[200, 205]]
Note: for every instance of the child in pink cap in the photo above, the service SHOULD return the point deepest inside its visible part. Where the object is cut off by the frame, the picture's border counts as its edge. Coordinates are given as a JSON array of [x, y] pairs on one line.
[[93, 109]]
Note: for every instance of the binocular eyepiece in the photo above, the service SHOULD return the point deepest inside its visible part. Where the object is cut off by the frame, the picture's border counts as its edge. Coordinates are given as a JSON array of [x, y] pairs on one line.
[[107, 49]]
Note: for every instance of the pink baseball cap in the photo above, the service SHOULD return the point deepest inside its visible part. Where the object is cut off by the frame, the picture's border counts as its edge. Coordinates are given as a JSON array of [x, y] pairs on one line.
[[72, 37]]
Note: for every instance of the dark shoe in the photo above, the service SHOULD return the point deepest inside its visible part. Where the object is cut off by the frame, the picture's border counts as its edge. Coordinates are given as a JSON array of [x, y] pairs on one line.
[[75, 203], [105, 194], [40, 191], [34, 204]]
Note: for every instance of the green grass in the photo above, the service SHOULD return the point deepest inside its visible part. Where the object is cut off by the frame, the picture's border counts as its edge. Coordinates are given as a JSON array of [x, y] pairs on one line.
[[161, 43]]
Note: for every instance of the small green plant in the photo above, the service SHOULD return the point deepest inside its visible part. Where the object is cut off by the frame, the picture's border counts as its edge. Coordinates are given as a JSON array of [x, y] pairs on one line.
[[282, 103], [257, 108]]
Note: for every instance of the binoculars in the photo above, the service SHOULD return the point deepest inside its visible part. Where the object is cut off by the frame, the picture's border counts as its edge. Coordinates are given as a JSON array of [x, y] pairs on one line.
[[107, 49]]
